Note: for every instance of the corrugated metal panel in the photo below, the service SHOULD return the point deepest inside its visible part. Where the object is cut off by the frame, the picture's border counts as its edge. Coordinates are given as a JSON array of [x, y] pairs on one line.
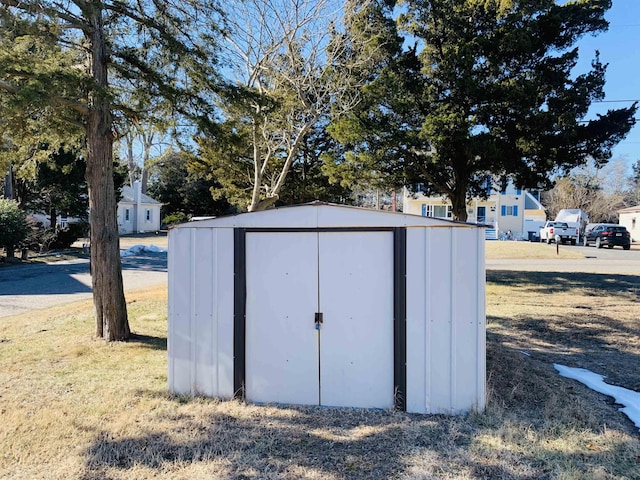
[[439, 313], [224, 311], [418, 324], [180, 334], [204, 291], [200, 346], [464, 351], [445, 320], [481, 326]]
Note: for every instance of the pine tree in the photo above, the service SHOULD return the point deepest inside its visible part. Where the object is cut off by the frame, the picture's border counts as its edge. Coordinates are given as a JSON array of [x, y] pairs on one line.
[[108, 48]]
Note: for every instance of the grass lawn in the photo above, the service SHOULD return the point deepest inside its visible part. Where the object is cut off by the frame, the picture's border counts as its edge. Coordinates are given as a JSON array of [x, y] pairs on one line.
[[495, 249], [72, 407]]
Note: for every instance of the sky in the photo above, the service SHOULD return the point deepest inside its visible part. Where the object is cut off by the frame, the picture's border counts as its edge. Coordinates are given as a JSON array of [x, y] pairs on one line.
[[629, 399], [620, 48]]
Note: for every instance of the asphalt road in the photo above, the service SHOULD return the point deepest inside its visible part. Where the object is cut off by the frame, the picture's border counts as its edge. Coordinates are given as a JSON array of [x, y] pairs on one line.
[[31, 287], [596, 260]]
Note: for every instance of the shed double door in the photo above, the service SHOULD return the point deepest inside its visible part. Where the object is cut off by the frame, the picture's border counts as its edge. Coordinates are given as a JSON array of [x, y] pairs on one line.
[[347, 277]]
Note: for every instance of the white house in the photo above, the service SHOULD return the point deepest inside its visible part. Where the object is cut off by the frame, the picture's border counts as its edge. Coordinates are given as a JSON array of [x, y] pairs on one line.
[[513, 209], [323, 304], [137, 212], [630, 218], [62, 221]]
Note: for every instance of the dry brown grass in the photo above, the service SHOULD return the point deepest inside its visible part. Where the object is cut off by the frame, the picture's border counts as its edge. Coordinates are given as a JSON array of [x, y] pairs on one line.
[[511, 249], [75, 407]]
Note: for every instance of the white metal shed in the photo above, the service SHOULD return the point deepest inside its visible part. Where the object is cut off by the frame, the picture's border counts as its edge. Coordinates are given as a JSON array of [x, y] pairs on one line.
[[321, 304]]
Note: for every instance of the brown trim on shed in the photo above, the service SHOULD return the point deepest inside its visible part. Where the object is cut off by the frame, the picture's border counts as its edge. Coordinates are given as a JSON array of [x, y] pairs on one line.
[[399, 303], [239, 311]]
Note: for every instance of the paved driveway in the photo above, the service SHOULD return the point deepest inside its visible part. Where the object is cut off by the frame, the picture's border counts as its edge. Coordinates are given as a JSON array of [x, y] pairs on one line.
[[31, 287]]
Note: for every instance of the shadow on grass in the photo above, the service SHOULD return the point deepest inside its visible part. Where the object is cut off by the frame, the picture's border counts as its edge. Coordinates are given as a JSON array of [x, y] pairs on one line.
[[155, 343], [534, 428], [288, 444], [220, 440], [554, 282], [576, 332], [538, 425], [147, 262], [43, 279]]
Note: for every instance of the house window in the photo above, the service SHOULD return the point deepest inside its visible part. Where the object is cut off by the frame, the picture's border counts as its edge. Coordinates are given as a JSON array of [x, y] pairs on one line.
[[148, 215], [509, 210], [126, 215], [436, 211]]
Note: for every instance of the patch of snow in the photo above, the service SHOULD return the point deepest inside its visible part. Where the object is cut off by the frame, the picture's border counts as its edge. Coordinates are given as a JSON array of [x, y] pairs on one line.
[[140, 249], [623, 396], [155, 249]]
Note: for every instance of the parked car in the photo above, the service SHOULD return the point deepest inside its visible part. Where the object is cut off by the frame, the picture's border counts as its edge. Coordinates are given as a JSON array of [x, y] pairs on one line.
[[609, 234], [558, 232]]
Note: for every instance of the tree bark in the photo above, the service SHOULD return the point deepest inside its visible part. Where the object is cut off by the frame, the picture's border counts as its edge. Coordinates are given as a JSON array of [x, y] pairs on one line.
[[459, 207], [458, 197], [108, 291], [53, 217]]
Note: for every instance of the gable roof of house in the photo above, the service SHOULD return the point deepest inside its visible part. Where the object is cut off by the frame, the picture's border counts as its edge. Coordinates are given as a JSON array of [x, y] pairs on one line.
[[630, 209], [127, 197]]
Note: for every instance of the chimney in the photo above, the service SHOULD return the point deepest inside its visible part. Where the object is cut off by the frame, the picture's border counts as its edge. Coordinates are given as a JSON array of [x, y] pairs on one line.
[[136, 192]]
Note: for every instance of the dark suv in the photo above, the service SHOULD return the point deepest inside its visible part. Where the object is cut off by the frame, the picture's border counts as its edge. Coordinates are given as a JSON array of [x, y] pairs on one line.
[[609, 234]]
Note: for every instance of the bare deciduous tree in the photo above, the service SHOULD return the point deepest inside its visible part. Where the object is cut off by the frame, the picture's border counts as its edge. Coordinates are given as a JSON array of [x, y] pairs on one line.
[[285, 57], [584, 190]]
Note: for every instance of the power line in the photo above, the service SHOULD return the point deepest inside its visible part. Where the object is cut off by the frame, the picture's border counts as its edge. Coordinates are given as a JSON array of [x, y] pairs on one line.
[[615, 101]]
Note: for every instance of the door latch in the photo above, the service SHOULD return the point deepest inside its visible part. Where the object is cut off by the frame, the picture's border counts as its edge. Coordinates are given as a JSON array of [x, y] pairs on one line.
[[318, 320]]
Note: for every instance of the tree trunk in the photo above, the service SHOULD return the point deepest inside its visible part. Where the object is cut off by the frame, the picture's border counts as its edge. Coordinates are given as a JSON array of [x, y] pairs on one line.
[[144, 180], [147, 143], [131, 164], [8, 183], [53, 217], [459, 205], [108, 292], [263, 204]]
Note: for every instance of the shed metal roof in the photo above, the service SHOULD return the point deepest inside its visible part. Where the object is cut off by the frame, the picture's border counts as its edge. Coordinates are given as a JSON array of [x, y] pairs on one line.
[[323, 215]]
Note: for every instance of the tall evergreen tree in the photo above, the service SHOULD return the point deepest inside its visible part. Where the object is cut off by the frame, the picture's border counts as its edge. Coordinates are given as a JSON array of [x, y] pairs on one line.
[[166, 48], [181, 190], [489, 87], [60, 187]]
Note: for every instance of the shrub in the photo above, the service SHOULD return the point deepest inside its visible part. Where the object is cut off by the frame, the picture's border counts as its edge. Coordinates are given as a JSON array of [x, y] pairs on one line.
[[13, 226], [60, 238], [175, 218]]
